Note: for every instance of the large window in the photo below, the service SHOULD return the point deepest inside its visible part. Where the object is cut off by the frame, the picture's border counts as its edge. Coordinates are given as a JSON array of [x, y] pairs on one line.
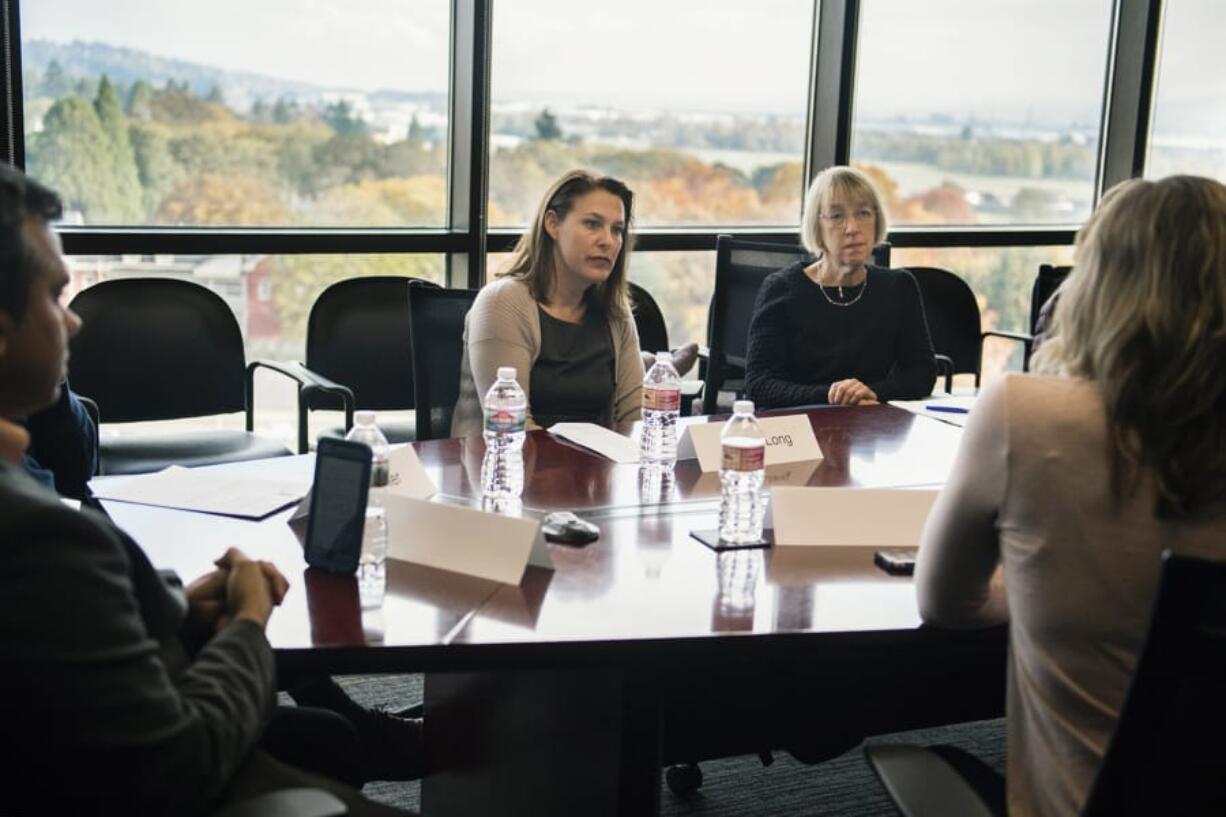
[[981, 111], [1188, 133], [699, 106], [272, 113]]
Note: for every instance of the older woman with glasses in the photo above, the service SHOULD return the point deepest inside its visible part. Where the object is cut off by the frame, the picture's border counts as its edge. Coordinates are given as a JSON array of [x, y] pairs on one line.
[[836, 329]]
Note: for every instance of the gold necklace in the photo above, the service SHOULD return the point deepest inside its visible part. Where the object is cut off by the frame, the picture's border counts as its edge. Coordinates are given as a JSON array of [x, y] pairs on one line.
[[859, 295]]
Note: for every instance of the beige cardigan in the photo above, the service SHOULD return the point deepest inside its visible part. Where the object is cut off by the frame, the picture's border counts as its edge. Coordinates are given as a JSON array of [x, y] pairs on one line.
[[503, 328]]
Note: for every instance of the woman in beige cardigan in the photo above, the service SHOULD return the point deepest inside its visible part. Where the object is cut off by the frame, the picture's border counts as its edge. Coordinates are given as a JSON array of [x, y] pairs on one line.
[[560, 314]]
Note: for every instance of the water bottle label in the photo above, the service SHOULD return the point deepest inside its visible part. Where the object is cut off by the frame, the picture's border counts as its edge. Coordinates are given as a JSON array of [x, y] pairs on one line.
[[738, 458], [380, 471], [656, 399], [506, 421]]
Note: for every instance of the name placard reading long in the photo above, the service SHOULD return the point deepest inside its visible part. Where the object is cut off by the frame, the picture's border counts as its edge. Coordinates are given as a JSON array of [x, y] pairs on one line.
[[788, 439]]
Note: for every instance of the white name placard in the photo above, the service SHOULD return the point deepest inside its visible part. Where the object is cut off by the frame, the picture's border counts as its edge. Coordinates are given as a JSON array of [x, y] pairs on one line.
[[788, 439], [881, 517], [406, 476], [464, 540]]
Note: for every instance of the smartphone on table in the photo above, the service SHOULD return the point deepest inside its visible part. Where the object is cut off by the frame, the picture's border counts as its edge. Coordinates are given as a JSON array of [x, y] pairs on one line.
[[338, 505]]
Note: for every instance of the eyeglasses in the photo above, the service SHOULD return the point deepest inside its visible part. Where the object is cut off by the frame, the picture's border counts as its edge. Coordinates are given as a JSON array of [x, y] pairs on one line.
[[838, 217]]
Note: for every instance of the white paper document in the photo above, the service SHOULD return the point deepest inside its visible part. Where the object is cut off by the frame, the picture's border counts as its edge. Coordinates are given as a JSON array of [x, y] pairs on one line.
[[464, 540], [206, 490], [788, 439], [951, 409], [881, 517], [605, 442]]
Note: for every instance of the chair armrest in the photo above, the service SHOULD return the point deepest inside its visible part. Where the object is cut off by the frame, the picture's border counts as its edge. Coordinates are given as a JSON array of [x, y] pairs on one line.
[[1018, 336], [945, 366], [287, 803], [309, 384], [690, 390], [924, 782]]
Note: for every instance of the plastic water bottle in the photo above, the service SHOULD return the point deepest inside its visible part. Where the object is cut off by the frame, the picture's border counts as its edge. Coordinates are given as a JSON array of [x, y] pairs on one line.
[[506, 410], [741, 474], [372, 564], [661, 408]]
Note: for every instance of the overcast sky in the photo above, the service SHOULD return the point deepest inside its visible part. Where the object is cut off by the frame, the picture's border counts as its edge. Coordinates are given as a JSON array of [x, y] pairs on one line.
[[1010, 59]]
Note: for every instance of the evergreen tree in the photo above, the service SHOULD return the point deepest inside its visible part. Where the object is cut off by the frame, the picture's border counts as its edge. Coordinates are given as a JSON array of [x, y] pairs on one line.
[[155, 165], [340, 117], [56, 82], [260, 112], [547, 127], [140, 100], [72, 155], [285, 111], [127, 188]]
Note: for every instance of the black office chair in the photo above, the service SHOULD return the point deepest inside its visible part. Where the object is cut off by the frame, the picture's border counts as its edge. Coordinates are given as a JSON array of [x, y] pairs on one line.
[[954, 322], [1167, 754], [653, 337], [436, 333], [648, 320], [1046, 283], [740, 268], [358, 337], [161, 349]]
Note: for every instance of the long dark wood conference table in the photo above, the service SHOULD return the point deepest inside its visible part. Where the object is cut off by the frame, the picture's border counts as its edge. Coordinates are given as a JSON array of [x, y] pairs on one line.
[[565, 694]]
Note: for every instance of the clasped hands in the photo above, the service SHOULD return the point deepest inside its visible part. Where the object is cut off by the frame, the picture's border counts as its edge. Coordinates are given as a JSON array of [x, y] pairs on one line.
[[851, 392], [240, 588]]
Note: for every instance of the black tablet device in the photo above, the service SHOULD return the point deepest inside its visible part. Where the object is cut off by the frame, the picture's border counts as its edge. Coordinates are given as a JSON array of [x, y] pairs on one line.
[[338, 505]]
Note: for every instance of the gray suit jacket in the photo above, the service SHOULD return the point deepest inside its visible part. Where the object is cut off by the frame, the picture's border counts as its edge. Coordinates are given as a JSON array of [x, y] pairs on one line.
[[102, 708]]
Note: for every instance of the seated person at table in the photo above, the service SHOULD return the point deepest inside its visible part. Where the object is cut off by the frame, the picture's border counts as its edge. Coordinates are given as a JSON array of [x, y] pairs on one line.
[[121, 694], [837, 329], [560, 314], [63, 452], [1071, 482]]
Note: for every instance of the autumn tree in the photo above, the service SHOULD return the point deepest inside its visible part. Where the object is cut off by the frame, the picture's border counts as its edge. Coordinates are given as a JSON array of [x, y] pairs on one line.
[[223, 201]]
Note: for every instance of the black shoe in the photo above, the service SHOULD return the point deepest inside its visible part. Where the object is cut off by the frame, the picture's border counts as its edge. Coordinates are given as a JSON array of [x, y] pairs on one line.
[[393, 746]]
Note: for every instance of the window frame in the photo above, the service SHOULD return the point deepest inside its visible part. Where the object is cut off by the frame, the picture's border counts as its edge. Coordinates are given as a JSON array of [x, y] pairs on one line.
[[1128, 98]]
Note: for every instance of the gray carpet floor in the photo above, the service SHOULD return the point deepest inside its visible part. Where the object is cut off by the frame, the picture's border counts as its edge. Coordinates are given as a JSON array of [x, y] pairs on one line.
[[842, 787]]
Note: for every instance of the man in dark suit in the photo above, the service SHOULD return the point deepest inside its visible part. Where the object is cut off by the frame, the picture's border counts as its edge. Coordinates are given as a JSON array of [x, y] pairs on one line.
[[119, 693]]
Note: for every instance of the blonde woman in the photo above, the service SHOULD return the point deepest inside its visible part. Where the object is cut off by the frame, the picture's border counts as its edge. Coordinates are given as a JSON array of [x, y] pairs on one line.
[[560, 314], [835, 329], [1069, 484]]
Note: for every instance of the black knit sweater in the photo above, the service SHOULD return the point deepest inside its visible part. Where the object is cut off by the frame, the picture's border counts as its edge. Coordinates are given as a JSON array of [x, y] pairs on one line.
[[799, 343]]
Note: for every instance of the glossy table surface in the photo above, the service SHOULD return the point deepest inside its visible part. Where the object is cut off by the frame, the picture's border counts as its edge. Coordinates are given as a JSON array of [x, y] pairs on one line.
[[645, 585]]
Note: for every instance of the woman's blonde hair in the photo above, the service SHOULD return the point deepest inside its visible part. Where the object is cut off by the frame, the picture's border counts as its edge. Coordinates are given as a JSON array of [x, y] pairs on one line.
[[847, 185], [532, 260], [1143, 315]]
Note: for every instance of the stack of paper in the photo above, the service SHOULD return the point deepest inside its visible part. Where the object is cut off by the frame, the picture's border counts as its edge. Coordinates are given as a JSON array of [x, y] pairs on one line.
[[206, 490]]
